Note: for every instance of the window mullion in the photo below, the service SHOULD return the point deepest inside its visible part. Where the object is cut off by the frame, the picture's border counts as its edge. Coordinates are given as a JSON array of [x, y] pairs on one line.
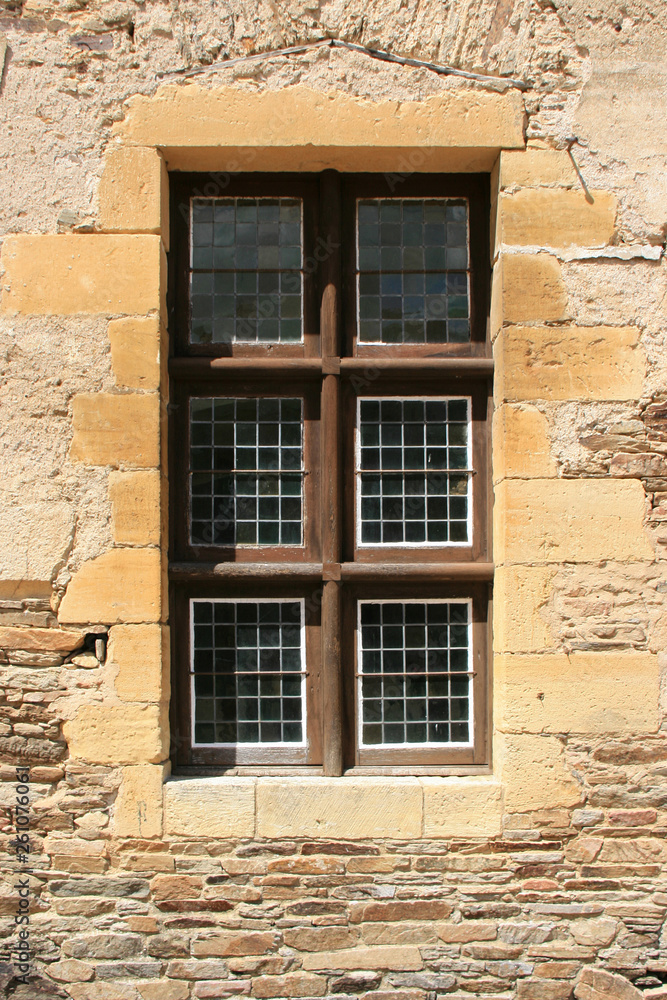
[[330, 321]]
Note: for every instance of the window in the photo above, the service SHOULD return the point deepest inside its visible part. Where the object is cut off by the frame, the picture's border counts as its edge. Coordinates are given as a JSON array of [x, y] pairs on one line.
[[329, 405]]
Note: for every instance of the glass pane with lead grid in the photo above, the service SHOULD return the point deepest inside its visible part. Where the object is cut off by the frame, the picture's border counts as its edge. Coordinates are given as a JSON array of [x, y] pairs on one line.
[[246, 277], [414, 478], [248, 671], [414, 674], [246, 471], [413, 271]]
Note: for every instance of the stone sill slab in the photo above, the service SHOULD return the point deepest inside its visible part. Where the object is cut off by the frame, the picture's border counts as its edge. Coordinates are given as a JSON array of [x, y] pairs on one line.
[[348, 808]]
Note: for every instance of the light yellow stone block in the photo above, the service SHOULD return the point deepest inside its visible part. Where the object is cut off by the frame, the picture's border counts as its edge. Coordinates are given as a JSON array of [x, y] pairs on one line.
[[568, 520], [536, 168], [296, 128], [585, 692], [119, 734], [135, 351], [209, 807], [556, 218], [519, 594], [134, 192], [521, 445], [534, 774], [462, 807], [553, 363], [116, 430], [530, 288], [345, 808], [123, 585], [397, 958], [138, 808], [141, 653], [65, 275], [135, 505]]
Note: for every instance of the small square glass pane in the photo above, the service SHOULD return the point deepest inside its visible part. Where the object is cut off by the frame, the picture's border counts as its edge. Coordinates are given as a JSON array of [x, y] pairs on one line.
[[252, 689], [413, 270], [246, 280], [246, 471], [410, 691], [414, 478]]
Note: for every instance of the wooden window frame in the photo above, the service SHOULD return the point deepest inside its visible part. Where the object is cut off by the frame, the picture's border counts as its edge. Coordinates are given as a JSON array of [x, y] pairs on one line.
[[330, 371]]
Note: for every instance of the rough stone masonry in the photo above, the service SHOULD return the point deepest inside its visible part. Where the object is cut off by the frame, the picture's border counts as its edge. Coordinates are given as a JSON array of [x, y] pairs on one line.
[[542, 880]]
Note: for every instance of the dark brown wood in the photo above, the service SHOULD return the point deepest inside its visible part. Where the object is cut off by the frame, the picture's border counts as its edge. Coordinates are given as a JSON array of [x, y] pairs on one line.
[[213, 368], [205, 572], [442, 571], [331, 472], [330, 371], [422, 368], [331, 679]]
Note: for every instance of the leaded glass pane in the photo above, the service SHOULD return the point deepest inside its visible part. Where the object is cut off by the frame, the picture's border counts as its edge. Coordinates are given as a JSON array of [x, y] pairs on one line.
[[414, 673], [413, 476], [246, 278], [413, 265], [246, 471], [248, 671]]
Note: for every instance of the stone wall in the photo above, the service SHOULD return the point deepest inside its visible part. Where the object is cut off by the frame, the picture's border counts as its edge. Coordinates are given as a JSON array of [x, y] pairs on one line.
[[545, 876]]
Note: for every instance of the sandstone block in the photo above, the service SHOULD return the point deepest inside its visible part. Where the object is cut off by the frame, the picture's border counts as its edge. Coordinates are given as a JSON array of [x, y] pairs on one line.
[[141, 653], [116, 430], [598, 984], [66, 275], [376, 864], [163, 989], [615, 692], [420, 934], [242, 943], [297, 120], [348, 809], [135, 351], [71, 970], [633, 817], [210, 968], [527, 288], [138, 806], [536, 168], [521, 445], [399, 909], [553, 363], [135, 503], [123, 585], [211, 807], [102, 945], [462, 807], [533, 772], [118, 734], [392, 958], [597, 933], [134, 192], [468, 930], [176, 887], [214, 989], [41, 639], [556, 218], [103, 991], [546, 521], [320, 938], [544, 989], [520, 595], [294, 984]]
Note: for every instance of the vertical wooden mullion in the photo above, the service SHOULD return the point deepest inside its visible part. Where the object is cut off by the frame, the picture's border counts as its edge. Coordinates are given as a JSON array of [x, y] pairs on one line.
[[330, 321]]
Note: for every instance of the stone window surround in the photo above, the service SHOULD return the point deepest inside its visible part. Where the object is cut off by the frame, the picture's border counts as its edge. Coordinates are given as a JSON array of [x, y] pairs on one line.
[[230, 130]]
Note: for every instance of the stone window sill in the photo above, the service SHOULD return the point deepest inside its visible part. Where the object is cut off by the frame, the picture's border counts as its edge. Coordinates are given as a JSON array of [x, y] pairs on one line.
[[348, 808]]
